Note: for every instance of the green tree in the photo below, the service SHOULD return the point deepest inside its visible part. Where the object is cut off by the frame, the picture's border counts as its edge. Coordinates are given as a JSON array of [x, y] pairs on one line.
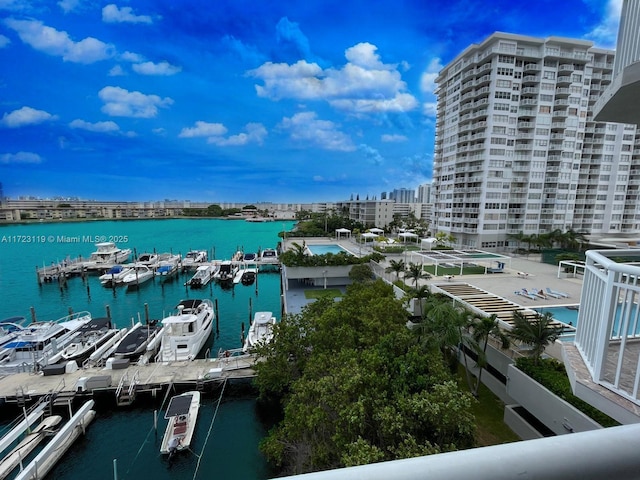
[[420, 293], [537, 332], [396, 266], [361, 273], [415, 272]]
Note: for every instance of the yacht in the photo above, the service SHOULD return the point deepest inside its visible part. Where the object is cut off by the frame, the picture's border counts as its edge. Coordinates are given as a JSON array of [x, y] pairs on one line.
[[187, 330], [148, 259], [226, 272], [88, 338], [261, 330], [38, 341], [10, 328], [107, 253], [138, 340], [269, 255], [168, 266]]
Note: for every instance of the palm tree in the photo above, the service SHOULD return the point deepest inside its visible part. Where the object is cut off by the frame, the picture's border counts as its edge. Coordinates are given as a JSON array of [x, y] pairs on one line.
[[483, 328], [538, 332], [416, 273], [396, 266], [423, 291]]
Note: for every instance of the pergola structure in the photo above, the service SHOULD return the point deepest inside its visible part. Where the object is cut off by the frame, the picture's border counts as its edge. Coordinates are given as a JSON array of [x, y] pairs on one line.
[[463, 258], [343, 231]]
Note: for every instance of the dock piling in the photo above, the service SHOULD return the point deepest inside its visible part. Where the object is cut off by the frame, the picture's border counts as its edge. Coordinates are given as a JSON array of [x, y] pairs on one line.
[[217, 317], [108, 311], [146, 313], [250, 308], [33, 314]]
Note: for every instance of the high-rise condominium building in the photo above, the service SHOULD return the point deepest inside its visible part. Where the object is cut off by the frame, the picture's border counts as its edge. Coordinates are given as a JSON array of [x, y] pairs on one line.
[[518, 151]]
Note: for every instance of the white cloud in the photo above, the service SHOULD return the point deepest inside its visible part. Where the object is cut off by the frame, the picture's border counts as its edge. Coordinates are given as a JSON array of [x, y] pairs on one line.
[[306, 128], [20, 157], [363, 85], [101, 127], [428, 78], [25, 116], [117, 71], [57, 43], [255, 133], [204, 129], [4, 41], [430, 109], [119, 102], [68, 5], [393, 138], [112, 14], [150, 68], [132, 57], [606, 32]]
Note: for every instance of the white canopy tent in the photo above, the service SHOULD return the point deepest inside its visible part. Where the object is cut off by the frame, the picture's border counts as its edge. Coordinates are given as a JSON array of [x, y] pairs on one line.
[[408, 235], [343, 231], [377, 231], [428, 242], [369, 236]]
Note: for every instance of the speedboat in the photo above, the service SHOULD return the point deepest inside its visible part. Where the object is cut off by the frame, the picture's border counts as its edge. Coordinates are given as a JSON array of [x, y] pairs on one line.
[[10, 328], [193, 258], [182, 414], [168, 266], [226, 272], [245, 275], [249, 257], [88, 338], [38, 341], [187, 330], [261, 330], [203, 275], [269, 255], [137, 276], [137, 340], [148, 259], [107, 253], [114, 275]]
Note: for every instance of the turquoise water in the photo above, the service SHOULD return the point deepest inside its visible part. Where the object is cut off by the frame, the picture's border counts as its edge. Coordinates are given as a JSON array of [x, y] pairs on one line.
[[124, 435], [324, 249], [565, 315]]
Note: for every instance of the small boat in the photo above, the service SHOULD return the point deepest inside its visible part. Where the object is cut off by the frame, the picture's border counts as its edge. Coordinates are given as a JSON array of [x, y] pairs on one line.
[[245, 275], [182, 414], [31, 440], [249, 257], [203, 275], [187, 330], [136, 341], [148, 259], [226, 272], [193, 258], [114, 275], [139, 274], [87, 339], [238, 256], [168, 266], [269, 255], [261, 330]]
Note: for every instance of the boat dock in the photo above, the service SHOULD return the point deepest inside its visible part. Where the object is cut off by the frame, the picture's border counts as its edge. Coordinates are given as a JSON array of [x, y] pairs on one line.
[[126, 383]]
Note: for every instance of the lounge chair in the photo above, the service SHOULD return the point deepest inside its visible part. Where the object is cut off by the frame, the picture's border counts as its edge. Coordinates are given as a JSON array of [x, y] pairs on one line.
[[526, 294], [551, 294], [535, 293], [555, 292]]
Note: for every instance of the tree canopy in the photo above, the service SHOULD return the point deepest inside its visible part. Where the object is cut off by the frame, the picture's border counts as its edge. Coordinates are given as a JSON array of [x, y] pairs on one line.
[[356, 387]]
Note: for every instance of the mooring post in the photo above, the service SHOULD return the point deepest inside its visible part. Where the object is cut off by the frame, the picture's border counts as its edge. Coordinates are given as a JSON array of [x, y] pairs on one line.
[[108, 310], [70, 311], [33, 314], [146, 312], [242, 335], [38, 277], [250, 308], [217, 317]]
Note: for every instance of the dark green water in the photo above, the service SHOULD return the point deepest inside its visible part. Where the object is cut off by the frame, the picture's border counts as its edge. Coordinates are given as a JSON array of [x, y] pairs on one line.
[[226, 447]]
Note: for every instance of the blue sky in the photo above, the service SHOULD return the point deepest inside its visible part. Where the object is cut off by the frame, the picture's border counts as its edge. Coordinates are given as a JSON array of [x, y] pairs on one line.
[[241, 101]]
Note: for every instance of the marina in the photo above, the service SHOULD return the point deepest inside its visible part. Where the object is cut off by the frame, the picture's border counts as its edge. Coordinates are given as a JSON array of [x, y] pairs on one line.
[[95, 380]]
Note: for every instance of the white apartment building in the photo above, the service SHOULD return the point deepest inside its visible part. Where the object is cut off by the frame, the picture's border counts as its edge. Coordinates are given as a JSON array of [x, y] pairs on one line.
[[517, 148]]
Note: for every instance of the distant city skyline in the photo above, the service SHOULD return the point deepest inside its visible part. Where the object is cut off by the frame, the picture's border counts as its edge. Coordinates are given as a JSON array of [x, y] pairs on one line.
[[238, 101]]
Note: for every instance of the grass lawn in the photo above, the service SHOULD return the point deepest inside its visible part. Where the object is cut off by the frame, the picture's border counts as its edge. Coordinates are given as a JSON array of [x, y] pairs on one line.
[[453, 271], [320, 293], [489, 413]]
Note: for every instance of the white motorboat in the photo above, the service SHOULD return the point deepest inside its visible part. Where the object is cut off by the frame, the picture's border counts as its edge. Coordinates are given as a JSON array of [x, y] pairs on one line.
[[187, 330], [193, 258], [114, 275], [108, 253], [182, 414], [38, 341], [137, 340], [139, 275], [226, 272], [249, 257], [203, 275], [168, 266], [10, 328], [149, 259], [86, 340], [269, 255], [261, 330], [245, 275]]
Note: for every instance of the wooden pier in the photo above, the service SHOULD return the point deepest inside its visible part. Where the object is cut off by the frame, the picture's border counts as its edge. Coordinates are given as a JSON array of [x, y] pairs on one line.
[[152, 377]]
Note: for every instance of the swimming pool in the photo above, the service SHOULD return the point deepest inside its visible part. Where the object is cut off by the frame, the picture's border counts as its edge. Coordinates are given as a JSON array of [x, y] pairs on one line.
[[569, 316], [324, 249]]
